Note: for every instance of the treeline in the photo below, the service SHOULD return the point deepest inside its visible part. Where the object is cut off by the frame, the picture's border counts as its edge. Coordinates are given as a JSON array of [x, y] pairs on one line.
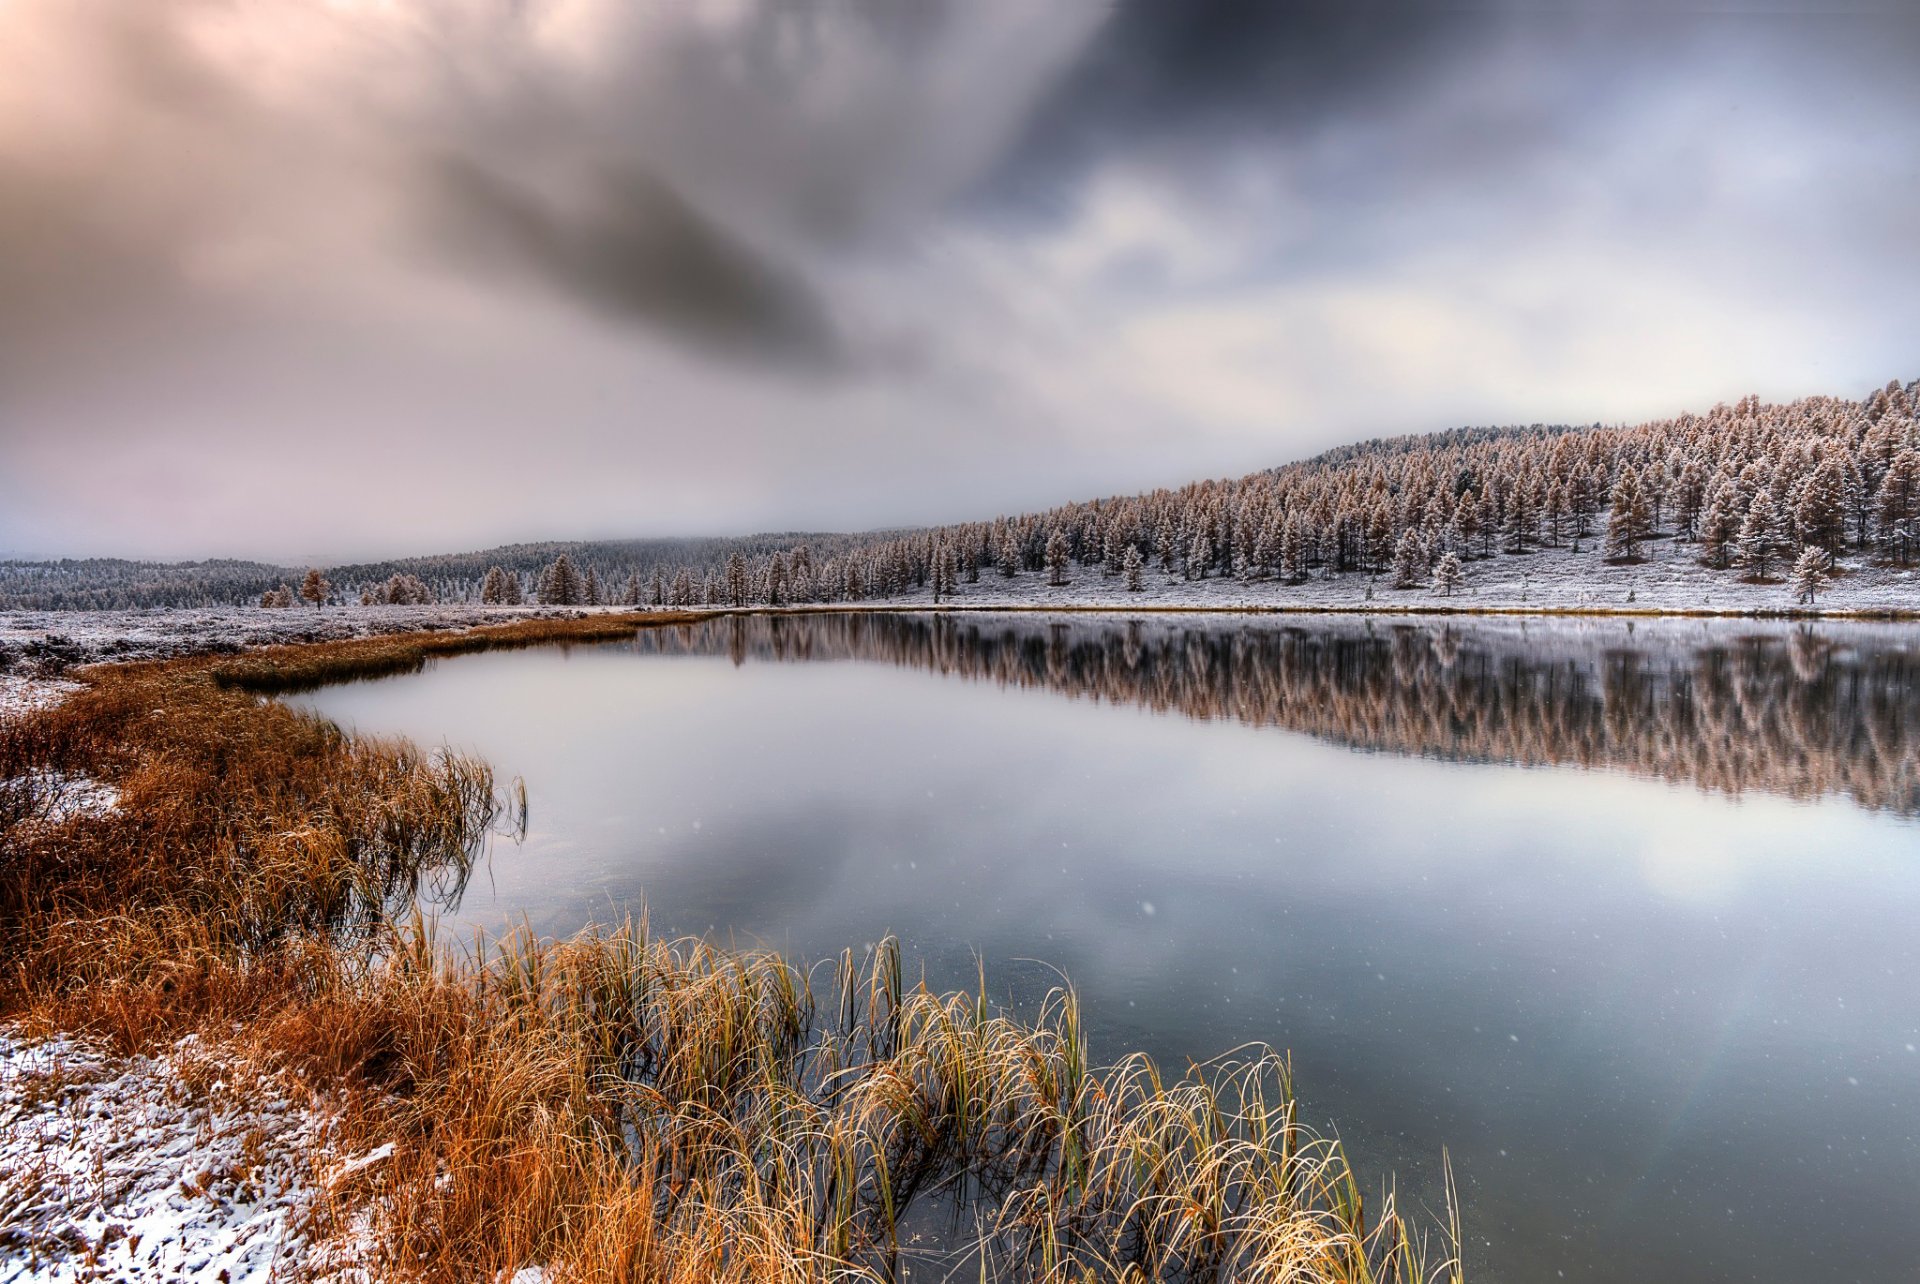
[[1797, 713], [1750, 490]]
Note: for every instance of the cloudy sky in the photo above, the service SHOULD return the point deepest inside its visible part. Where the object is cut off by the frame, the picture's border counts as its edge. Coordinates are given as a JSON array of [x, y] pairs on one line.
[[332, 278]]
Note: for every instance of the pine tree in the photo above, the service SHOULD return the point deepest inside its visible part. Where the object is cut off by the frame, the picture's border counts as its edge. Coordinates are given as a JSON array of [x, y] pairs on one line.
[[1820, 513], [1449, 576], [498, 588], [590, 593], [631, 597], [1057, 557], [561, 584], [1761, 542], [1130, 565], [1409, 561], [1199, 556], [736, 579], [1719, 528], [1809, 573], [1897, 507], [1630, 522], [315, 588]]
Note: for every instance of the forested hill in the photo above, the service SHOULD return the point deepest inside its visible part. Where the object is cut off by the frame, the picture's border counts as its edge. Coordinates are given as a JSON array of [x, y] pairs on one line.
[[1742, 490]]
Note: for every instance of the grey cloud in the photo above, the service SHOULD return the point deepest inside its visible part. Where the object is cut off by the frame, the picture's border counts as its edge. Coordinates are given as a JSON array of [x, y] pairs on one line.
[[636, 249]]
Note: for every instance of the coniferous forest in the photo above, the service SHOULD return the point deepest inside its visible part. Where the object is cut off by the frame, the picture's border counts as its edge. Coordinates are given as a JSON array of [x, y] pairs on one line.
[[1753, 492]]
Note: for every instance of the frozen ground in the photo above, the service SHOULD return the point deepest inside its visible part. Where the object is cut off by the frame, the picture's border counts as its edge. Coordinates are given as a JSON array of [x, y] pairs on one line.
[[1669, 579], [46, 643], [152, 1168]]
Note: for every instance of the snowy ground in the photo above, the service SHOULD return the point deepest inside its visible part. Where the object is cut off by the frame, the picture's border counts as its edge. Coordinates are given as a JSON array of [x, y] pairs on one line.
[[46, 643], [1669, 579], [151, 1168]]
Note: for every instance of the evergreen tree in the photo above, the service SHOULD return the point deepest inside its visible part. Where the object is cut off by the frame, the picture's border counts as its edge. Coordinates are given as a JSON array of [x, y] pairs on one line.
[[1719, 527], [631, 597], [1761, 540], [1809, 573], [1631, 520], [1449, 576], [499, 588], [1057, 557], [561, 585], [1820, 512], [1199, 556], [1409, 561], [315, 588], [736, 579], [1130, 565], [1897, 507], [590, 592]]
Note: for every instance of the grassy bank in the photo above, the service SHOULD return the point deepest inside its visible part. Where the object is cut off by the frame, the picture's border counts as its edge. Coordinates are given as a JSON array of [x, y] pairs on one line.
[[614, 1106]]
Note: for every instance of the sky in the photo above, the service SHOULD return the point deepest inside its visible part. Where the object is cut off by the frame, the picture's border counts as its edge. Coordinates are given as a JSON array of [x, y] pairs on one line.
[[328, 279]]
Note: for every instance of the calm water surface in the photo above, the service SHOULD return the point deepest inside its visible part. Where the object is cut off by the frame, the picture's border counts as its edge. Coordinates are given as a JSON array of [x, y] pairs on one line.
[[1626, 918]]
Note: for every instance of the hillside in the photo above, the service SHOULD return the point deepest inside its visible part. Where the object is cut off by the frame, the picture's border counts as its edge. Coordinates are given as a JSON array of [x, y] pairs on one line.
[[1711, 509]]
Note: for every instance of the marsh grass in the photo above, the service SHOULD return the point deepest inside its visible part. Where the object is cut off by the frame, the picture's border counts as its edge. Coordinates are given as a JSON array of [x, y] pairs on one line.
[[615, 1106]]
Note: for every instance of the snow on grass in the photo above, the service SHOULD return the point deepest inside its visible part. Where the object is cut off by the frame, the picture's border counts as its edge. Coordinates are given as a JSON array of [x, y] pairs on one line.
[[22, 694], [56, 797], [148, 1167]]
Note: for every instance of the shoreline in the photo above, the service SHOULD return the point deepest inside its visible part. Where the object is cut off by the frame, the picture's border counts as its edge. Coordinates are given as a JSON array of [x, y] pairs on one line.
[[252, 890]]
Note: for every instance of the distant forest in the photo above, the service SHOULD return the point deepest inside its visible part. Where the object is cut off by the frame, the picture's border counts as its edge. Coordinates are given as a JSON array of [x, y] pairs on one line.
[[1758, 491]]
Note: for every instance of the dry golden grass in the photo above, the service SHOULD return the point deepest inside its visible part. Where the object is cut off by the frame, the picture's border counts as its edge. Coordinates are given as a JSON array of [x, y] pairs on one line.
[[615, 1106]]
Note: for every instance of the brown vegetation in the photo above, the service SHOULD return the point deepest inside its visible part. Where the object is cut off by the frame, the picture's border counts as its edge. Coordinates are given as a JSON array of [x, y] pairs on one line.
[[615, 1107]]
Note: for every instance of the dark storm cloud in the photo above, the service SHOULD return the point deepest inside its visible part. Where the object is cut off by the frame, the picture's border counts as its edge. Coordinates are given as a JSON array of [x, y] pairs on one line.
[[637, 250]]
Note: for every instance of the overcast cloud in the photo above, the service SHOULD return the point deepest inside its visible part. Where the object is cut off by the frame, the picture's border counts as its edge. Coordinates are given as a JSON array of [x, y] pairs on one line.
[[285, 278]]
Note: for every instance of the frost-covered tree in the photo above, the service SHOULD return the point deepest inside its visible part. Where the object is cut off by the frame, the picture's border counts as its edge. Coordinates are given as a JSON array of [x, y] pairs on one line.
[[590, 591], [1130, 566], [1449, 576], [1719, 527], [403, 590], [1820, 513], [315, 588], [1409, 561], [561, 585], [499, 588], [1630, 522], [1897, 507], [1809, 573], [630, 596], [1057, 557], [1761, 541], [736, 579]]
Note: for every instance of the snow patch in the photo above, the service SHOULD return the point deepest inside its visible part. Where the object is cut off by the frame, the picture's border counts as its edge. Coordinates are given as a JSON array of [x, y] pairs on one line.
[[123, 1169]]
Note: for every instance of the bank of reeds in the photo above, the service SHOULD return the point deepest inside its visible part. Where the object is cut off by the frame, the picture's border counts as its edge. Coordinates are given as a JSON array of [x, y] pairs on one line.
[[615, 1106]]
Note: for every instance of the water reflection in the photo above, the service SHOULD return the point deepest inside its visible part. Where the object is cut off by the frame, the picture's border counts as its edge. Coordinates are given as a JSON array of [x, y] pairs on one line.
[[1728, 707], [1622, 916]]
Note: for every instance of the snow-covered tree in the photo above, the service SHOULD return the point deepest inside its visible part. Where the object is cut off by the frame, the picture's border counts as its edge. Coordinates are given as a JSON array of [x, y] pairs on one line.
[[1897, 507], [1409, 561], [1630, 522], [499, 588], [1130, 566], [1449, 576], [1762, 543], [1057, 557], [561, 585], [1809, 574]]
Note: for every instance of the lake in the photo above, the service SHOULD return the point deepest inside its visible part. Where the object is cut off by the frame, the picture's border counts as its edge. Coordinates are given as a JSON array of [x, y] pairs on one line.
[[1623, 915]]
